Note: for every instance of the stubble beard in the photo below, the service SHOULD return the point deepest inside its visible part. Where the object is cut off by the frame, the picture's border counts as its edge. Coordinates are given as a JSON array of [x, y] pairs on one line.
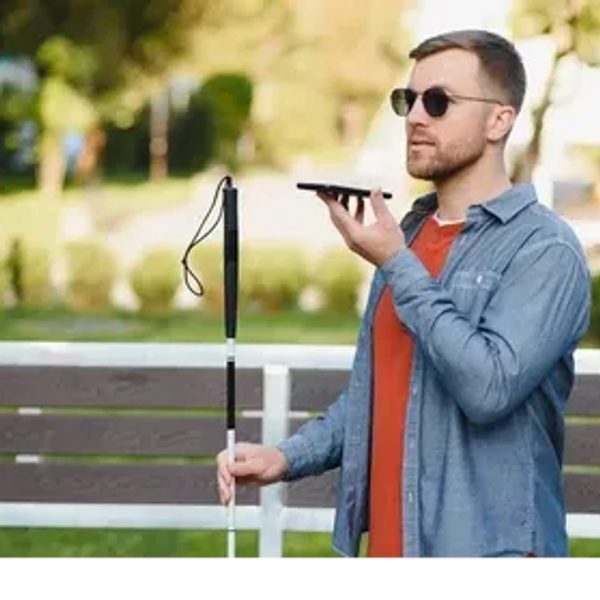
[[445, 163]]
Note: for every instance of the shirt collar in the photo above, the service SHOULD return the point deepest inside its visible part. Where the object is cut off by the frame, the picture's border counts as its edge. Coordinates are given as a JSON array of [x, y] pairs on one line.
[[507, 205], [504, 207]]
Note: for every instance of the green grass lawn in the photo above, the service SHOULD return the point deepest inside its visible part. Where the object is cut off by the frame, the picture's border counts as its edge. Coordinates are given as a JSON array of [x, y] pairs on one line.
[[169, 543], [165, 543], [184, 326]]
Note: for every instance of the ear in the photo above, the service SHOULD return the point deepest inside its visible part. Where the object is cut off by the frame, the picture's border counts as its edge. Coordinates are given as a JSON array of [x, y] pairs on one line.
[[500, 122]]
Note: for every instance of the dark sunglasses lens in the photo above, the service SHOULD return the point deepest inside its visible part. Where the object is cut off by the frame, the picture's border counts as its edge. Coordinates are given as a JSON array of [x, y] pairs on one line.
[[402, 101], [435, 102]]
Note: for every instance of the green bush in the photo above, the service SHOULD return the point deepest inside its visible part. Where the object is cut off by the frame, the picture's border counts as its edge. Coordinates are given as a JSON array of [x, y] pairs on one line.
[[273, 276], [4, 281], [229, 97], [92, 271], [338, 278], [206, 261], [155, 279], [29, 274]]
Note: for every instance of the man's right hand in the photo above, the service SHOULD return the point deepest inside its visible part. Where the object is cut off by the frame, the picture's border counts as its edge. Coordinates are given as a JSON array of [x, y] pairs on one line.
[[254, 465]]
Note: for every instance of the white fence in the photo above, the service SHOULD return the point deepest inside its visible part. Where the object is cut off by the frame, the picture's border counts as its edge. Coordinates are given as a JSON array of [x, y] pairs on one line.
[[271, 518]]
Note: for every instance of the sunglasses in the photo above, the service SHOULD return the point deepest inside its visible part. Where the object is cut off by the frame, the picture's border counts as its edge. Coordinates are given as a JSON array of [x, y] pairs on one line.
[[436, 101]]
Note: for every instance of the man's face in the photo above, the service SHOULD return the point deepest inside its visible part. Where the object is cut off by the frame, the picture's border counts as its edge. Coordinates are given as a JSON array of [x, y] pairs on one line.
[[440, 147]]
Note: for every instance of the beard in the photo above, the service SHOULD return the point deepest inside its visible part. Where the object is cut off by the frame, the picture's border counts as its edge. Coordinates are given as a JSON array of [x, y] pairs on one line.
[[437, 164]]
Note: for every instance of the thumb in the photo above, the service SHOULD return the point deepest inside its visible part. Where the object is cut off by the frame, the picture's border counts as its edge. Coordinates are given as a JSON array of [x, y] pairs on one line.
[[245, 468], [244, 451]]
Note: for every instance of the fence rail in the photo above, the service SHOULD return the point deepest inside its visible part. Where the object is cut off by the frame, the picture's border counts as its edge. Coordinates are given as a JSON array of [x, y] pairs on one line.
[[123, 435]]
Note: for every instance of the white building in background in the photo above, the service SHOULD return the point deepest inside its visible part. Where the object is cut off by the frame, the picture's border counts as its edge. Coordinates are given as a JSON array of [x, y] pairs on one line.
[[572, 120]]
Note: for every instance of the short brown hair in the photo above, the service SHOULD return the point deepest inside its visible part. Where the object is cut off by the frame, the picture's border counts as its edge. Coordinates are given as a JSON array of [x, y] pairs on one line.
[[499, 59]]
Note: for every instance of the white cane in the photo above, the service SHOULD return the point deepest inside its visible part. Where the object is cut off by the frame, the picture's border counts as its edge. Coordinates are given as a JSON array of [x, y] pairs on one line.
[[230, 248], [231, 296]]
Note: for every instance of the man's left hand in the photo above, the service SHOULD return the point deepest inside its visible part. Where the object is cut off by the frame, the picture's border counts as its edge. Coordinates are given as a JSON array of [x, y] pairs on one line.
[[377, 242]]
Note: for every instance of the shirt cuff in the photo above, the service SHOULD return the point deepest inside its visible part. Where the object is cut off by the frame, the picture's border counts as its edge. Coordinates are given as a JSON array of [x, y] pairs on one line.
[[296, 450]]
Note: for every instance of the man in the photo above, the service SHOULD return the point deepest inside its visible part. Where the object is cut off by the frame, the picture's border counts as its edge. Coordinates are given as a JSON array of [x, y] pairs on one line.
[[450, 434]]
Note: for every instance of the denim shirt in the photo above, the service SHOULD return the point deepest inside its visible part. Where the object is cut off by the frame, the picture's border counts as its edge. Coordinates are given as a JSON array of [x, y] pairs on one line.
[[493, 368]]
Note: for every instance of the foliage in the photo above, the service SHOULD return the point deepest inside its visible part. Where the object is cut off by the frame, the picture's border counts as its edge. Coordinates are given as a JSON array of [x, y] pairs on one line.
[[4, 281], [155, 279], [206, 261], [594, 329], [100, 72], [29, 274], [342, 57], [574, 25], [274, 275], [338, 277], [229, 98], [192, 136], [92, 270], [271, 277], [62, 109], [363, 46], [121, 45], [314, 63]]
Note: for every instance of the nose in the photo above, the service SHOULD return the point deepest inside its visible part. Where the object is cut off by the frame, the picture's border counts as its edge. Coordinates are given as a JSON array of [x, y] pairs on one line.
[[417, 115]]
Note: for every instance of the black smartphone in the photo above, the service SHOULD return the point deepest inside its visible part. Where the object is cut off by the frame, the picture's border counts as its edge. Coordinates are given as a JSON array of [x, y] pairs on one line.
[[333, 188]]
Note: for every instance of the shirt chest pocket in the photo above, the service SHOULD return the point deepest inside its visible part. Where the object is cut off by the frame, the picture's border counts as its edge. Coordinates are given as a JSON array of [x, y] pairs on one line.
[[472, 290]]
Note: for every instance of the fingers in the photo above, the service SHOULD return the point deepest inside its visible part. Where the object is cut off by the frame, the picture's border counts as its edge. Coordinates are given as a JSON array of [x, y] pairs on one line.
[[360, 211], [224, 478], [378, 204], [345, 201], [327, 197], [339, 212], [243, 467]]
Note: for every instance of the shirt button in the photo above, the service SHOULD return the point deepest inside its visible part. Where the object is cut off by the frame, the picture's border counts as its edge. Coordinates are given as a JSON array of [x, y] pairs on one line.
[[479, 279], [411, 497]]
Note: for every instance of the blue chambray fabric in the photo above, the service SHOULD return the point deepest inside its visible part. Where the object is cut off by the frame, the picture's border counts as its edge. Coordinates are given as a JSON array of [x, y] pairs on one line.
[[493, 368]]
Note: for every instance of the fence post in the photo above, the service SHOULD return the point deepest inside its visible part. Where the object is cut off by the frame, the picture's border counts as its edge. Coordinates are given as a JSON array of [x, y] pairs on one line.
[[276, 406]]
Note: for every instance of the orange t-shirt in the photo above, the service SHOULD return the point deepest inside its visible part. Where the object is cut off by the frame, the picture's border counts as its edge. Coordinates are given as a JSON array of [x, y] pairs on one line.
[[392, 364]]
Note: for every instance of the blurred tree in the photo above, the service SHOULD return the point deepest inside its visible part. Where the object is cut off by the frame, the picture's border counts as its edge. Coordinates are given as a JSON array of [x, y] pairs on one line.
[[364, 47], [320, 67], [229, 96], [97, 62], [354, 52], [574, 26], [251, 36], [258, 38]]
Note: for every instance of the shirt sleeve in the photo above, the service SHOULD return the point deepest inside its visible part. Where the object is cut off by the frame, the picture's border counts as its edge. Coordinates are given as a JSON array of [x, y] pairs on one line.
[[537, 315], [317, 446]]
